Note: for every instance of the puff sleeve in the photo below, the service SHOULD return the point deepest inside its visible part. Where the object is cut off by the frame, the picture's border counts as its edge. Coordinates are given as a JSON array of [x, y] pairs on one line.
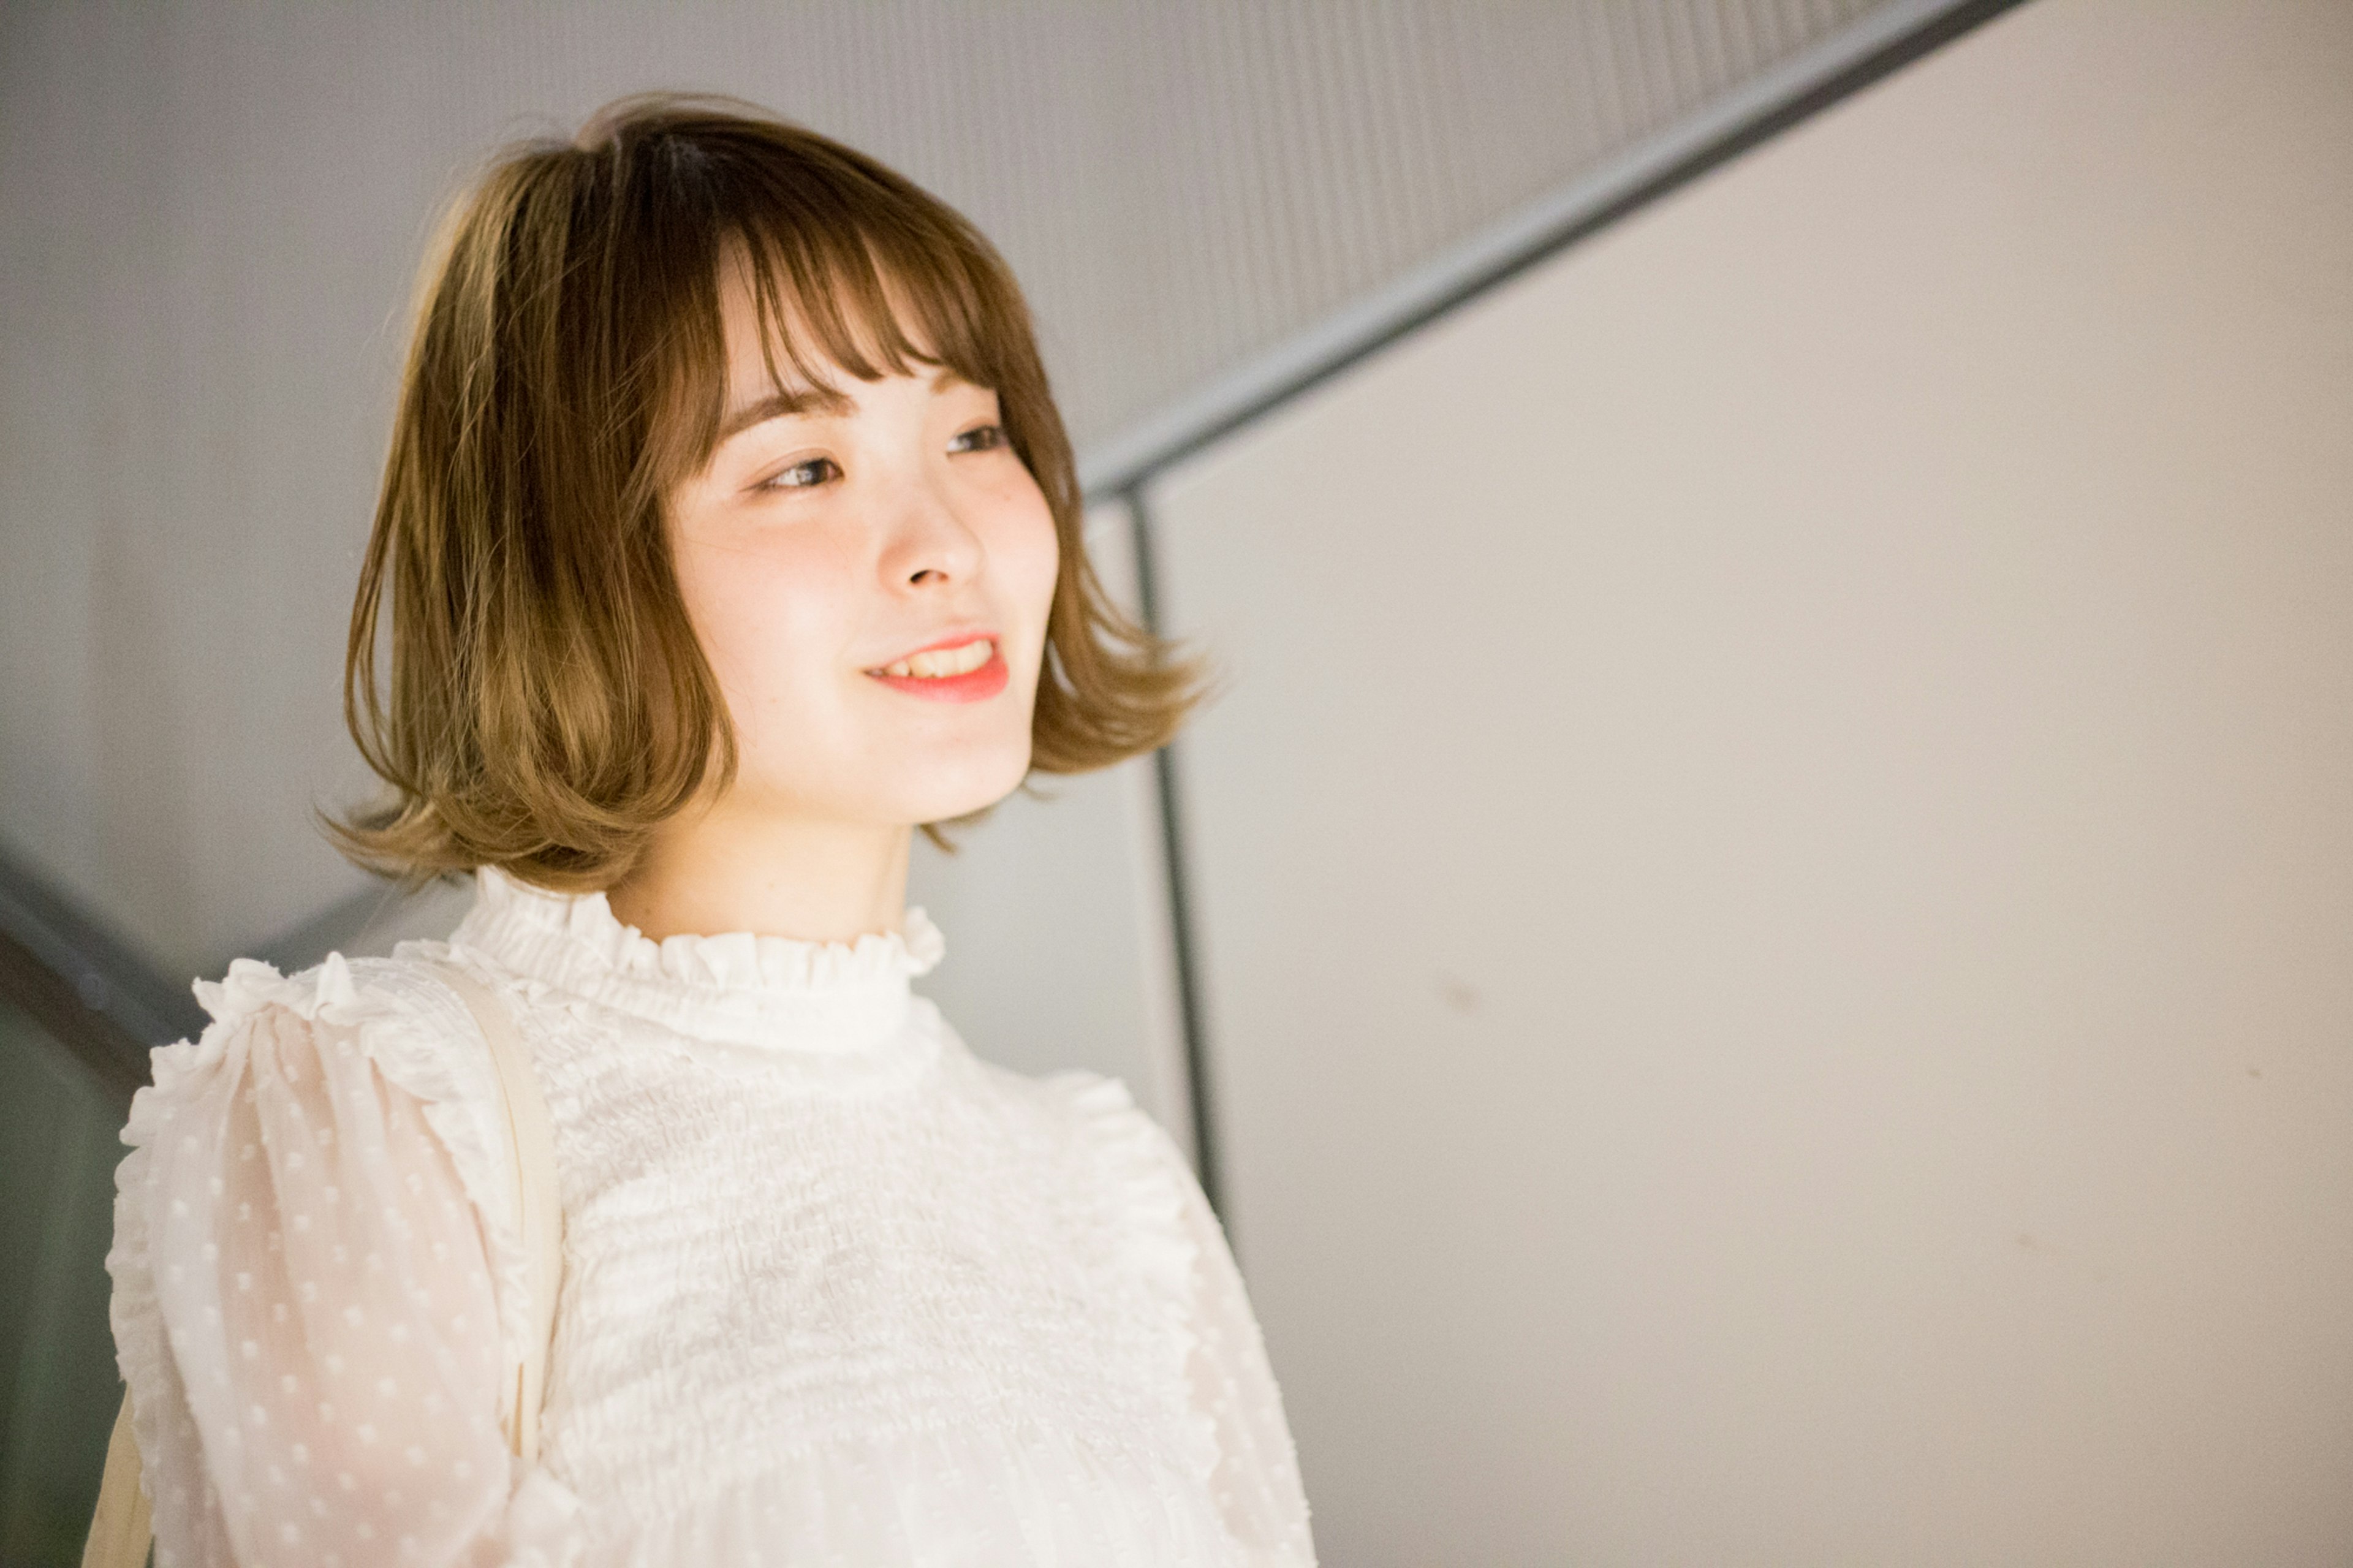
[[306, 1306], [1243, 1440], [1257, 1481]]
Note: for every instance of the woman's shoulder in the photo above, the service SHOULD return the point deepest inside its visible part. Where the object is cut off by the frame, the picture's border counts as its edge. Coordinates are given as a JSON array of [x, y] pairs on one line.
[[1092, 1107], [1077, 1101], [1135, 1163], [398, 1011], [394, 1020]]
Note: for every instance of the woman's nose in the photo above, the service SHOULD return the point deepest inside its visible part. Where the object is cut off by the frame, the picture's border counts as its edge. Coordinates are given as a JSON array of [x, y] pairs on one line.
[[931, 545]]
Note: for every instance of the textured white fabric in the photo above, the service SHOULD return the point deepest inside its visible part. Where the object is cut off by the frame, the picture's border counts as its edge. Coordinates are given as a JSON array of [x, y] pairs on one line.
[[835, 1291]]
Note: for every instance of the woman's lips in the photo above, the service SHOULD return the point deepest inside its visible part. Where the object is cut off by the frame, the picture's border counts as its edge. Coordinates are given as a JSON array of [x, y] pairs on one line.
[[970, 672]]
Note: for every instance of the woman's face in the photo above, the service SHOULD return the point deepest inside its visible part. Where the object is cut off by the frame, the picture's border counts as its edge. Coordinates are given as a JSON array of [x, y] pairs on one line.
[[868, 574]]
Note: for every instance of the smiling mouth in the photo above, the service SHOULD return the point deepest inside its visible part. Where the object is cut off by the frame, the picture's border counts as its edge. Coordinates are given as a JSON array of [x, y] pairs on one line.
[[969, 672], [942, 663]]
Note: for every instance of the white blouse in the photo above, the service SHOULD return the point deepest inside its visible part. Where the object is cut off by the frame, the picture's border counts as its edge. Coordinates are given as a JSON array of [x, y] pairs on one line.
[[835, 1290]]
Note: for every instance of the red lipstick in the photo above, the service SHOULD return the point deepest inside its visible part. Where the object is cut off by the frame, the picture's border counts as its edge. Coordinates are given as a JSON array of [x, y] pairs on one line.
[[973, 686]]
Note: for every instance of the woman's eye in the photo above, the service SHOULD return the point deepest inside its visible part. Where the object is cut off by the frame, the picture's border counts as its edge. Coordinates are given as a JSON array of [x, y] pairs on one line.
[[801, 475], [979, 438]]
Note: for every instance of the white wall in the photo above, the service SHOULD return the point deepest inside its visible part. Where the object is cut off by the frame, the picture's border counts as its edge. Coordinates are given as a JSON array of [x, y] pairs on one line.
[[1777, 877]]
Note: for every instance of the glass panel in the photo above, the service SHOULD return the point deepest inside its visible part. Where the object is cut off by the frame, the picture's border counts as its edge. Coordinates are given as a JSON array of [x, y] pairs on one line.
[[58, 1386]]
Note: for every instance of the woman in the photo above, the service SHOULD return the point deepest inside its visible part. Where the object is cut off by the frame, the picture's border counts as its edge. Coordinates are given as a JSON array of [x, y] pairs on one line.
[[729, 534]]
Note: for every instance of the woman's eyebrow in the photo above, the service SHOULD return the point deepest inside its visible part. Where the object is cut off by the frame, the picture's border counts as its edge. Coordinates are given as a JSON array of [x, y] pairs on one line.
[[779, 404]]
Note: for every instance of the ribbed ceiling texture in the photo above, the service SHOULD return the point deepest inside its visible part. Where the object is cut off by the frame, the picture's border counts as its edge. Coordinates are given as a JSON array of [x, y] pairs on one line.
[[210, 214]]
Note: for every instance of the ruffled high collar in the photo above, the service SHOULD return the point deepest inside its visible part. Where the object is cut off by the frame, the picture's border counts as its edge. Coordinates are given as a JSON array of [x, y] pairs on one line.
[[738, 988]]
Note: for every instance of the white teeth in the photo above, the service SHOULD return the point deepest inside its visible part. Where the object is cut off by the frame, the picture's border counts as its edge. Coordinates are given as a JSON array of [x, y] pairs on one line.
[[939, 663]]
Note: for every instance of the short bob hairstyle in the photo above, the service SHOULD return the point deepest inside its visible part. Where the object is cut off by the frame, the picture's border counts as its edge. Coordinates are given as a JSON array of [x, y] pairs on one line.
[[547, 702]]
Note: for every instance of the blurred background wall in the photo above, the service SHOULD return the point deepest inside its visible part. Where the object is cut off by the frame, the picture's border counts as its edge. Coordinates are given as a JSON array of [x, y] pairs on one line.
[[1763, 916]]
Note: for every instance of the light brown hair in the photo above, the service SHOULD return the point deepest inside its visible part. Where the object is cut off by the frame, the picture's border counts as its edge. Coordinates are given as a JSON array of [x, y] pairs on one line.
[[547, 703]]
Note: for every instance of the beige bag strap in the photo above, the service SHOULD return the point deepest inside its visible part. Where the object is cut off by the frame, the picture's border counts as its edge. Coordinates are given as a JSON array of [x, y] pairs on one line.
[[122, 1526], [119, 1528], [539, 1218]]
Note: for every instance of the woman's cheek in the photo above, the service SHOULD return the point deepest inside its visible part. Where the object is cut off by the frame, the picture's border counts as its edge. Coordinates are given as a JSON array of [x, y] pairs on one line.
[[737, 602], [1040, 558]]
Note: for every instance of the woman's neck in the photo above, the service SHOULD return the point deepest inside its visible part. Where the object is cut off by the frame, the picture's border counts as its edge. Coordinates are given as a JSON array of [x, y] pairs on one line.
[[719, 871]]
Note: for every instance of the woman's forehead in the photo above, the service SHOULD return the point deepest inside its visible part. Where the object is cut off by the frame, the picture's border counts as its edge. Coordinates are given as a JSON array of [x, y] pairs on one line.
[[784, 348]]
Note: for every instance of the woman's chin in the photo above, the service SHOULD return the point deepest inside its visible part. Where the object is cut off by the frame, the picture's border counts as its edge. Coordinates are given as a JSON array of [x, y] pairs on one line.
[[970, 784]]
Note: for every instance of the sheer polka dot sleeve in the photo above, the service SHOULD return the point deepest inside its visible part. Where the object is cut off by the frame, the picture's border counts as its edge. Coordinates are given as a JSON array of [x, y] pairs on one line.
[[305, 1309]]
